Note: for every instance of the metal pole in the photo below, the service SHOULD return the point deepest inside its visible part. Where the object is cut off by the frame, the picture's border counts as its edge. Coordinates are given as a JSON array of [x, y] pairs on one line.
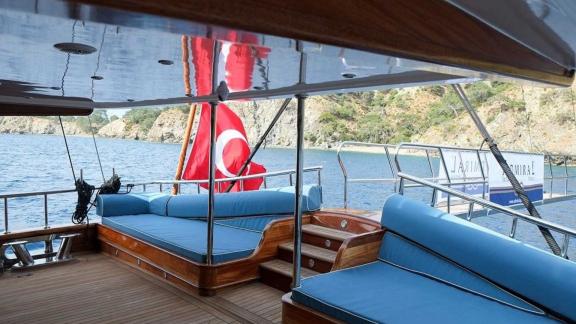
[[506, 168], [260, 142], [221, 90], [566, 174], [211, 176], [297, 256], [6, 231], [448, 200], [46, 211], [298, 190]]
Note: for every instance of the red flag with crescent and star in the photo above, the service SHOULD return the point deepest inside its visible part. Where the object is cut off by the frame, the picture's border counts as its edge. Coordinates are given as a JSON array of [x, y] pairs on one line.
[[231, 151]]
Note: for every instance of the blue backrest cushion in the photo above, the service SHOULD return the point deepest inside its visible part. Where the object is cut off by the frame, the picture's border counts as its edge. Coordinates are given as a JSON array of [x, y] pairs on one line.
[[275, 201], [246, 203], [526, 270], [128, 204], [407, 254]]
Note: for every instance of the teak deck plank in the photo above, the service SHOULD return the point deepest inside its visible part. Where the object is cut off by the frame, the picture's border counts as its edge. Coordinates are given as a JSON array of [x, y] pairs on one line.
[[99, 289]]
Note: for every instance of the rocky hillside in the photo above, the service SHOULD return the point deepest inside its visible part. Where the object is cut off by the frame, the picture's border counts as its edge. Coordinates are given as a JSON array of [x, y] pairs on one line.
[[520, 118]]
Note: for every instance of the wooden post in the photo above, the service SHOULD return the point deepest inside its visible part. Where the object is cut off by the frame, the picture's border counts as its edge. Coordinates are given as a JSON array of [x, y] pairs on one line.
[[184, 148]]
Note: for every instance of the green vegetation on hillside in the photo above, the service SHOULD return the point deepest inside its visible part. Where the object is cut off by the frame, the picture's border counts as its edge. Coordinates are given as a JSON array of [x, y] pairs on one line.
[[388, 117]]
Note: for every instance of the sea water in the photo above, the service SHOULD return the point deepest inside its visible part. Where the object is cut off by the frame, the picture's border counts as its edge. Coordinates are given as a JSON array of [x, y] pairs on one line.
[[40, 162]]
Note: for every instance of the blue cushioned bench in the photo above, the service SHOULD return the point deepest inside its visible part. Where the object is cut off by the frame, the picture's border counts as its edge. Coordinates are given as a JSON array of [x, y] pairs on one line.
[[436, 268], [178, 223]]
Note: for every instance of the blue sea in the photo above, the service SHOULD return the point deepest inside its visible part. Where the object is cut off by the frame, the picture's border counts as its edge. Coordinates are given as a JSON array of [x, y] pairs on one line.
[[39, 162]]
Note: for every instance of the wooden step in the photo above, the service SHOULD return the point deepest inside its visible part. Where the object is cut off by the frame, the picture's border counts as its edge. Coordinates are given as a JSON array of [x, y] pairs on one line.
[[278, 274], [312, 251], [313, 257], [326, 232], [324, 237], [285, 268]]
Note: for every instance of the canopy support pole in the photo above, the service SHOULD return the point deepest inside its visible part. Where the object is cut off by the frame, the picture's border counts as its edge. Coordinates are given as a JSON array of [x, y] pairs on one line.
[[184, 148], [506, 168], [220, 91], [211, 176], [260, 141], [297, 255]]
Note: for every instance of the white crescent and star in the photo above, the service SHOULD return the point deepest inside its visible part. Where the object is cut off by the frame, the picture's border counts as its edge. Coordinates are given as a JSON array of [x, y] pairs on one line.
[[221, 142]]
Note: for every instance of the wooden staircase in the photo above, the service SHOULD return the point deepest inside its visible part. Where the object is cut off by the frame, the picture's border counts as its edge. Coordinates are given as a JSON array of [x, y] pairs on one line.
[[320, 246]]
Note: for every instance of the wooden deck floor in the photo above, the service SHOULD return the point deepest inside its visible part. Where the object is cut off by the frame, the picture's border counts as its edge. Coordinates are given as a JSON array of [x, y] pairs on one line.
[[97, 289]]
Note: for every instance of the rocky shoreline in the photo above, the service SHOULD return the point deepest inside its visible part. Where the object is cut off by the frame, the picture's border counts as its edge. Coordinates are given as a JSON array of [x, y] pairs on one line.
[[528, 119]]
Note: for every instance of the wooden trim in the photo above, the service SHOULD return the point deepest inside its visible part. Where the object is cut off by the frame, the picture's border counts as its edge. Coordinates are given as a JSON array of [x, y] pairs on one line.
[[359, 250], [354, 223], [425, 30], [204, 277], [295, 313], [86, 241]]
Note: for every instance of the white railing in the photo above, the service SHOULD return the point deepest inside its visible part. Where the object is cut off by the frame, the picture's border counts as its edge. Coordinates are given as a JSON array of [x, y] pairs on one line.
[[5, 198], [435, 153]]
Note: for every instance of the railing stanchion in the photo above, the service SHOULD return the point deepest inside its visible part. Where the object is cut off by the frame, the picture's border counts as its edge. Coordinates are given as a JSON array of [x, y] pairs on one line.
[[566, 174], [565, 245], [433, 200], [6, 230], [470, 211], [551, 176], [46, 211], [448, 202]]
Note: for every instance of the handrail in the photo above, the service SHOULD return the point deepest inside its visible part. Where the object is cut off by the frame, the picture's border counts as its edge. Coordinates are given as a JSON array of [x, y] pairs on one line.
[[345, 171], [45, 194], [246, 177], [505, 210], [35, 193], [552, 177], [5, 198]]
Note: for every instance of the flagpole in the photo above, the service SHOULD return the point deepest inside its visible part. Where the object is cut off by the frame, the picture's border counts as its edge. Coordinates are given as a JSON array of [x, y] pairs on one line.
[[184, 148], [191, 114]]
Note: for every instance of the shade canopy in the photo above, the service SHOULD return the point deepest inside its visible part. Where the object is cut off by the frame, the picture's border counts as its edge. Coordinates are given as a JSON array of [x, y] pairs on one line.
[[125, 53]]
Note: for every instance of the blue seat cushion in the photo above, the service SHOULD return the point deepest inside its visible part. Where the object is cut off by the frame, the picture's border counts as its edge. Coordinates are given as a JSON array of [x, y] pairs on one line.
[[187, 237], [382, 293], [532, 273]]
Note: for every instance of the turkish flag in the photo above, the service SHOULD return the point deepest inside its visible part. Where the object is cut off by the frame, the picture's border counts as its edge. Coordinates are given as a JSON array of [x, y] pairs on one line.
[[232, 151]]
